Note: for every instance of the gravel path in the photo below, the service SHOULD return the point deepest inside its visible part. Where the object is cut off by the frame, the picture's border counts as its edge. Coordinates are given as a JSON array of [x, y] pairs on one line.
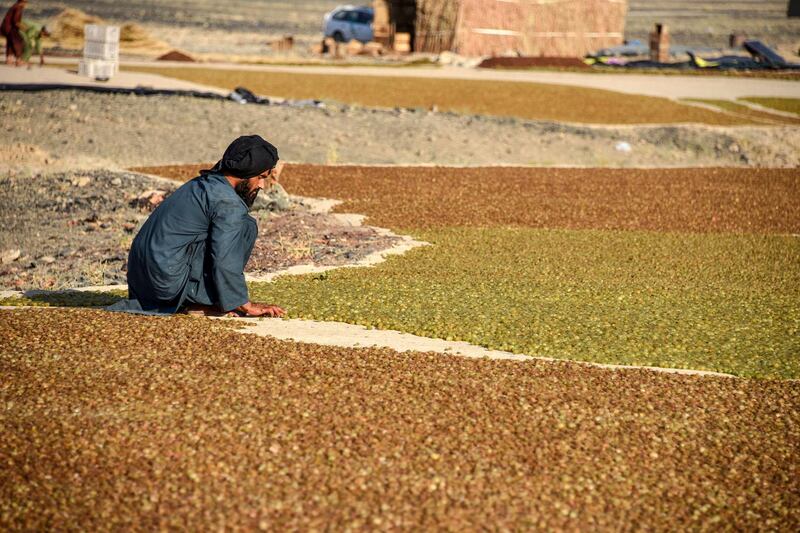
[[70, 129], [180, 423]]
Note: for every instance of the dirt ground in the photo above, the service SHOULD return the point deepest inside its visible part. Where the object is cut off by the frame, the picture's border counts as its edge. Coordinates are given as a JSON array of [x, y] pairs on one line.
[[71, 129], [74, 229]]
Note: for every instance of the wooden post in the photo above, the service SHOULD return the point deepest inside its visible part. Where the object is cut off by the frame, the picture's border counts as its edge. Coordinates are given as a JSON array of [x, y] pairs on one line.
[[659, 44]]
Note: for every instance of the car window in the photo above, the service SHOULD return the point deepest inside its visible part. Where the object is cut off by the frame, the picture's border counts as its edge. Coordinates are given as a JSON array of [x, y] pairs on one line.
[[352, 16], [341, 15], [364, 17]]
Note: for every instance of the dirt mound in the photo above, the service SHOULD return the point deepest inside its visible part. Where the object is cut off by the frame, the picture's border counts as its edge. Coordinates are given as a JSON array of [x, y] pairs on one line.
[[67, 28], [67, 32], [85, 222], [176, 55]]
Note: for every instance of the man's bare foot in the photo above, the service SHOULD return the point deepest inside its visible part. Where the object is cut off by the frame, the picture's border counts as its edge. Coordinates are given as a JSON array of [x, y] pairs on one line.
[[254, 309]]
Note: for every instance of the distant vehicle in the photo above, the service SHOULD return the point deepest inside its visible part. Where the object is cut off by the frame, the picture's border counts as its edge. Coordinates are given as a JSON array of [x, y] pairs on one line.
[[346, 23]]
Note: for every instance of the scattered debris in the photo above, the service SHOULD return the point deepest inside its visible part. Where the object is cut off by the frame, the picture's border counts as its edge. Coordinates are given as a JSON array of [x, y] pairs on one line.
[[354, 47], [246, 96], [761, 57], [448, 58], [9, 256], [149, 199], [624, 147], [83, 233], [374, 48], [284, 44]]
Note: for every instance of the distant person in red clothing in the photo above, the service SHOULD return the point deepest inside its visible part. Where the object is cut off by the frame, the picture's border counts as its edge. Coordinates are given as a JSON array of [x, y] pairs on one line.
[[11, 29]]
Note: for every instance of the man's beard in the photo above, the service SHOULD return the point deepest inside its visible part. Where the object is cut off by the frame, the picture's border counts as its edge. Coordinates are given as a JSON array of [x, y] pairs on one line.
[[244, 193]]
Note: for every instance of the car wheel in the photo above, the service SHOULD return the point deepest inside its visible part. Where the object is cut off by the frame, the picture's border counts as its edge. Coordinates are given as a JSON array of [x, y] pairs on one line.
[[338, 36]]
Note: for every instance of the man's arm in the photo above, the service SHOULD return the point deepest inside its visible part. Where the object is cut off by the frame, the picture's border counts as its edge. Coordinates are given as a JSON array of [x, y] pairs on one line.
[[233, 234]]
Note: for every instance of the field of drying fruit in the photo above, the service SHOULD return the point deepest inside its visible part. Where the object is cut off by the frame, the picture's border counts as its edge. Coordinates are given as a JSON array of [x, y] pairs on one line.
[[681, 268], [183, 423], [535, 101], [114, 421], [686, 268]]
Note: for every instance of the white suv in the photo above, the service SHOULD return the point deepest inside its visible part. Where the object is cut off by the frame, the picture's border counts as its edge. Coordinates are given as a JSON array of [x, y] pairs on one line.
[[349, 22]]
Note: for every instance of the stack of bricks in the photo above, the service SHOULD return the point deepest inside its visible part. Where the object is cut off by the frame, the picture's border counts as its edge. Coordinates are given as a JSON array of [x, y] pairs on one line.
[[402, 42], [100, 52]]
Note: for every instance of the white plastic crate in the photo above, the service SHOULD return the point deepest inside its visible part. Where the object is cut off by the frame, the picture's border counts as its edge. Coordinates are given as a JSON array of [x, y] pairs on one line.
[[97, 50], [101, 34], [97, 68]]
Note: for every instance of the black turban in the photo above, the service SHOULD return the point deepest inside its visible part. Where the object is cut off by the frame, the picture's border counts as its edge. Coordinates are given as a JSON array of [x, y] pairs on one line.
[[247, 157]]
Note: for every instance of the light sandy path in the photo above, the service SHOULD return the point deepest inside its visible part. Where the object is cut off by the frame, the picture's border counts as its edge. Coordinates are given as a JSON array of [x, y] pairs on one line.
[[123, 80], [672, 86], [343, 335], [352, 336]]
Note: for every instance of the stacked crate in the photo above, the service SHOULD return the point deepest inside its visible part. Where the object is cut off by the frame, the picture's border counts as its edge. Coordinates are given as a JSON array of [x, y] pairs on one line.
[[100, 52]]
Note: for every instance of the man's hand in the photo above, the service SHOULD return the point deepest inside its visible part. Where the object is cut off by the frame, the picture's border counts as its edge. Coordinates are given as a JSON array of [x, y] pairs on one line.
[[254, 309]]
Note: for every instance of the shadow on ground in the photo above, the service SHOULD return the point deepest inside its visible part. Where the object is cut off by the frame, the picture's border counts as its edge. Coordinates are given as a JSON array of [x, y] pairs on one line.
[[65, 298]]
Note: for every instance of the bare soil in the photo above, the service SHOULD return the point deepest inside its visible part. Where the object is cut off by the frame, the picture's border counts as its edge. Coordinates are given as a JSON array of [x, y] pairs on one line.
[[71, 129], [74, 229], [298, 237]]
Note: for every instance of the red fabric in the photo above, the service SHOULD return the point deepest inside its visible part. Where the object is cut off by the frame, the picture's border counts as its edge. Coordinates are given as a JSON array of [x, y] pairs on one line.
[[12, 19]]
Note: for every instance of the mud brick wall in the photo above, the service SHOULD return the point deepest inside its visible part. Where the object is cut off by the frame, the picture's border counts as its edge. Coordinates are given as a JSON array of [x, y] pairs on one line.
[[554, 28], [489, 27]]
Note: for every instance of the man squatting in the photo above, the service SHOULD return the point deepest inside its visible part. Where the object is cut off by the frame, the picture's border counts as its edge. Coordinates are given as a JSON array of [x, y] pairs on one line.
[[191, 252]]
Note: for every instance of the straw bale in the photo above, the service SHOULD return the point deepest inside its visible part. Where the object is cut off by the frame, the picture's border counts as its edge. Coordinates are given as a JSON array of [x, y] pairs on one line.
[[556, 28], [435, 25], [66, 31]]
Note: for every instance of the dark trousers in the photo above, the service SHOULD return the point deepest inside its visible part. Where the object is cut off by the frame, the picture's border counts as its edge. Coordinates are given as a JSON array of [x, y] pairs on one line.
[[14, 44]]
